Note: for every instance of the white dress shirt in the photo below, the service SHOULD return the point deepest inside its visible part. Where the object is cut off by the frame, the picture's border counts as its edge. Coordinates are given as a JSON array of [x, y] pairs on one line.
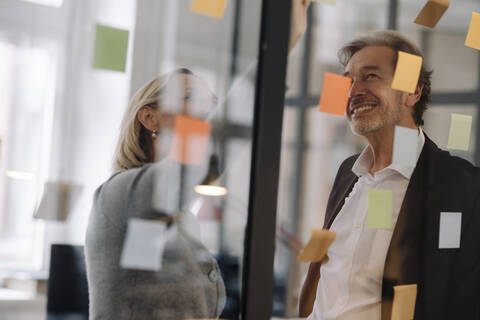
[[350, 285]]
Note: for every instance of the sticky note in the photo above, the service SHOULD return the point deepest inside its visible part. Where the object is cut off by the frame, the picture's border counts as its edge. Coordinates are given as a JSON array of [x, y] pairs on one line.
[[432, 12], [332, 2], [473, 35], [379, 213], [58, 201], [144, 244], [405, 146], [317, 246], [211, 8], [110, 48], [190, 140], [450, 229], [404, 298], [459, 134], [335, 92], [407, 72]]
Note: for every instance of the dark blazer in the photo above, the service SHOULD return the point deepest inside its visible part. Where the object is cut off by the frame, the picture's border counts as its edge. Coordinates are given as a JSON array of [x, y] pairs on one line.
[[448, 279]]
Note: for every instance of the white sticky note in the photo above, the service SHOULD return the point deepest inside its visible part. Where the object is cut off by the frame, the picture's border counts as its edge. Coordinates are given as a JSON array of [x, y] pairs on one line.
[[405, 146], [450, 226], [143, 245]]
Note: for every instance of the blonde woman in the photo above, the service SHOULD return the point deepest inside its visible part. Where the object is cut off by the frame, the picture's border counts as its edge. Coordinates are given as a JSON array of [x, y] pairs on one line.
[[188, 284]]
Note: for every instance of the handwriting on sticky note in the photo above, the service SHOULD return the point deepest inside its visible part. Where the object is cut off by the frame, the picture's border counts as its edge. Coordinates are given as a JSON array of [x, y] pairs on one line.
[[144, 244], [473, 35], [459, 134], [404, 298], [190, 140], [335, 92], [110, 48], [450, 230], [407, 72], [317, 246], [379, 213], [211, 8], [405, 146], [432, 12]]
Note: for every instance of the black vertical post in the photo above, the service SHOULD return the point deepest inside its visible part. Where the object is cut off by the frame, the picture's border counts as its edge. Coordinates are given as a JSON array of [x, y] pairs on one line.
[[392, 14], [477, 137], [267, 134]]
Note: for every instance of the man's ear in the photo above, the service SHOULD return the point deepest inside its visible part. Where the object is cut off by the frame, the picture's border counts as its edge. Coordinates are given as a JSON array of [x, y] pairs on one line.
[[148, 118], [413, 98]]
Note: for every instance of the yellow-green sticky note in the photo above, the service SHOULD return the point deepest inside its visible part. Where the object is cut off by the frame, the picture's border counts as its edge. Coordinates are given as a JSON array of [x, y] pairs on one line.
[[379, 213], [407, 72], [332, 2], [459, 135], [111, 46], [473, 36], [211, 8]]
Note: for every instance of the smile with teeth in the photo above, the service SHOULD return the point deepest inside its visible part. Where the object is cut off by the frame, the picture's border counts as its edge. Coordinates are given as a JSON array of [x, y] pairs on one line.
[[362, 109]]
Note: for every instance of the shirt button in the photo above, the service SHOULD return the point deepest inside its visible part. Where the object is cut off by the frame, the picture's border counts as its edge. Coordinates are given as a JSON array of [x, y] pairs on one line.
[[213, 275]]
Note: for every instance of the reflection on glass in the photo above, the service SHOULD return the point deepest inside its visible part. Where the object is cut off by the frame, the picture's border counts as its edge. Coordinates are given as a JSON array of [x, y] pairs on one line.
[[157, 268]]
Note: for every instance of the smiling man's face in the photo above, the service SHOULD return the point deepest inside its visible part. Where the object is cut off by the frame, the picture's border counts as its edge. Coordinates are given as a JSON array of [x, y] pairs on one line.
[[373, 104]]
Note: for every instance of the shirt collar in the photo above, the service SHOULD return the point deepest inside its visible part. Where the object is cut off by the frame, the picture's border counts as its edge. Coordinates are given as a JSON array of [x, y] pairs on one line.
[[364, 162]]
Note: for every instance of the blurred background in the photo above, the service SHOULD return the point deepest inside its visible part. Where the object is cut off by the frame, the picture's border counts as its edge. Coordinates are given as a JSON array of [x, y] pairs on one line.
[[60, 112]]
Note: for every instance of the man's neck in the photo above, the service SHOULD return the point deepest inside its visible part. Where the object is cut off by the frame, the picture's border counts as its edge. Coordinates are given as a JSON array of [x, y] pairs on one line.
[[381, 145]]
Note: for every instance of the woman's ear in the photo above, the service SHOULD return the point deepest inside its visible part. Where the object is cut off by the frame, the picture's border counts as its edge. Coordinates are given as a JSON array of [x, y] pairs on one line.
[[413, 98], [148, 117]]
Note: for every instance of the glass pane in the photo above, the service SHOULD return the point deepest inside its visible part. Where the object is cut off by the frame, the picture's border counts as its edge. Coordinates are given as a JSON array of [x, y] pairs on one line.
[[200, 180], [315, 144], [445, 43], [125, 152]]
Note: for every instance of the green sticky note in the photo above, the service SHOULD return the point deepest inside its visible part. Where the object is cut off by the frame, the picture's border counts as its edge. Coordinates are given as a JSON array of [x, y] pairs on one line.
[[459, 135], [379, 213], [110, 48]]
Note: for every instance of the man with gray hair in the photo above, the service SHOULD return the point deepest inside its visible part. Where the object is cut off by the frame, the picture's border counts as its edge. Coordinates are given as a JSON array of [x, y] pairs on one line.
[[363, 264]]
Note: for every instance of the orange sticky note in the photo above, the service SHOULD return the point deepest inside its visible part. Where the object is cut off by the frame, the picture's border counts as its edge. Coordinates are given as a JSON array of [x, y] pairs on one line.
[[317, 247], [473, 36], [432, 13], [335, 92], [211, 8], [407, 72], [404, 297], [190, 140]]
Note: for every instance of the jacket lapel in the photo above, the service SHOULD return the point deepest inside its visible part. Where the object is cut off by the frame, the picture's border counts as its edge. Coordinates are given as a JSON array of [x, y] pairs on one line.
[[342, 187], [404, 257]]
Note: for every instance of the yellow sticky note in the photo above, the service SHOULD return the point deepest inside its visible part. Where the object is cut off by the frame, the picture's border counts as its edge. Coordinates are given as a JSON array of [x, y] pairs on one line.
[[334, 98], [473, 36], [111, 46], [407, 72], [404, 297], [432, 12], [211, 8], [379, 213], [317, 247], [332, 2], [459, 135]]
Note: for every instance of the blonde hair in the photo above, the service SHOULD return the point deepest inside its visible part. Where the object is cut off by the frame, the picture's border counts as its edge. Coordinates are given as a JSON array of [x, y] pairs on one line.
[[135, 144]]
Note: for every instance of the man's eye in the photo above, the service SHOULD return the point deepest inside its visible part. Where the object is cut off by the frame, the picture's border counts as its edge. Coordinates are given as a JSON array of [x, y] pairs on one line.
[[371, 76]]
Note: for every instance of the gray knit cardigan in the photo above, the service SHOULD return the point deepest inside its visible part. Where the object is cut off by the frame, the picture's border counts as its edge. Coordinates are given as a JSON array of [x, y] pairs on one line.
[[189, 284]]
